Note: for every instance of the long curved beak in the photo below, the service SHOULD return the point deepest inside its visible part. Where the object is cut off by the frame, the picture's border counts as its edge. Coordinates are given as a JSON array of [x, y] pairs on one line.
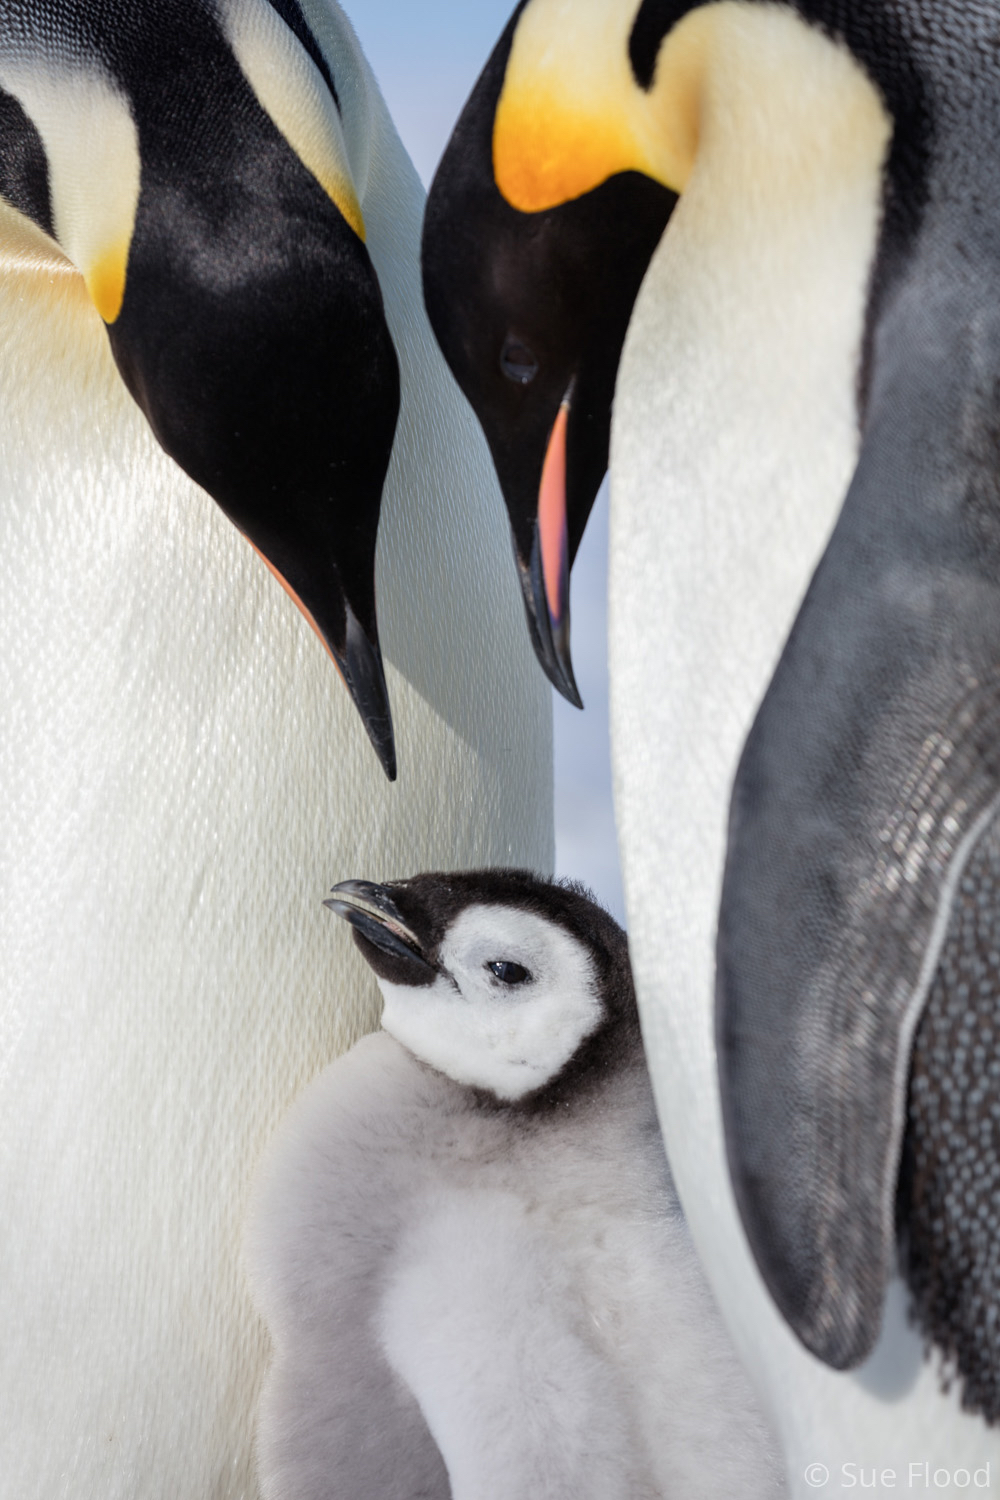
[[871, 770], [545, 575]]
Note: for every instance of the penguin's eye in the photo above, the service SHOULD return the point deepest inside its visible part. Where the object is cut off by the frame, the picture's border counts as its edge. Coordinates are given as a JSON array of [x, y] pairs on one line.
[[517, 361], [508, 973]]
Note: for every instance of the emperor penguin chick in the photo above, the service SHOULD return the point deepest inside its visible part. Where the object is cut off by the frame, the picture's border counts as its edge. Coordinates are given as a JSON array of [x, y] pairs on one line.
[[466, 1243]]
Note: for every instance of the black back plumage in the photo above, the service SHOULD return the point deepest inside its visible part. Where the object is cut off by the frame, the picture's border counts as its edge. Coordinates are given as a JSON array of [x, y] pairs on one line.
[[24, 169]]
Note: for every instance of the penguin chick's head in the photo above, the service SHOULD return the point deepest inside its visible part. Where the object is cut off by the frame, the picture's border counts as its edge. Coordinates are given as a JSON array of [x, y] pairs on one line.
[[501, 980]]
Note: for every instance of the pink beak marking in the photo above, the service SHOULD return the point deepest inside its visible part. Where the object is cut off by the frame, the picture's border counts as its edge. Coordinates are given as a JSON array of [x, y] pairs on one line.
[[552, 515]]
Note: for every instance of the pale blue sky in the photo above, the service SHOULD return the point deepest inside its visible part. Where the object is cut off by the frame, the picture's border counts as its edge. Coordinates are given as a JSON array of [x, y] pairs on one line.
[[427, 55]]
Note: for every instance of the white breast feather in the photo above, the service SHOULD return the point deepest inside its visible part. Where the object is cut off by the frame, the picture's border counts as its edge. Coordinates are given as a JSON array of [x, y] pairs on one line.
[[532, 1287]]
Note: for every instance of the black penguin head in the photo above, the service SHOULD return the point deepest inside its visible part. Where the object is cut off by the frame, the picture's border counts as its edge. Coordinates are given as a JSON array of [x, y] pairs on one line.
[[255, 342], [222, 241], [507, 983], [530, 306]]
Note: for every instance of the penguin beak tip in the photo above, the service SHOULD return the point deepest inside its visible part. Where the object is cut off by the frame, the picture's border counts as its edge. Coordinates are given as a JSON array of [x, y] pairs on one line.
[[548, 626], [568, 686], [360, 664], [385, 749], [560, 674]]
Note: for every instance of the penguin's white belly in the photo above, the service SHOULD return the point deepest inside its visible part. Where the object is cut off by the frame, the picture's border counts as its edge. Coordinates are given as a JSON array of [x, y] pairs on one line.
[[568, 1359], [184, 776]]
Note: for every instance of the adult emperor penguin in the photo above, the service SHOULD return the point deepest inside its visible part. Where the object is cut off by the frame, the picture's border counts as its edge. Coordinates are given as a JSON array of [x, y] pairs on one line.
[[805, 622], [467, 1227], [181, 767]]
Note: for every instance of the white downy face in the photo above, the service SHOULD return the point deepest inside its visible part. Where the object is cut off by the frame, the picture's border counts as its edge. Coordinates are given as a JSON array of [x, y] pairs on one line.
[[499, 1031]]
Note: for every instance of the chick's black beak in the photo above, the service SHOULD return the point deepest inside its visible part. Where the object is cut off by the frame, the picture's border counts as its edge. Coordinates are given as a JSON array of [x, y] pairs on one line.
[[388, 943]]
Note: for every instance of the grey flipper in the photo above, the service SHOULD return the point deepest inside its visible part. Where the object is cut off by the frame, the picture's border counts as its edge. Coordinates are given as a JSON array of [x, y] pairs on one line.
[[869, 774]]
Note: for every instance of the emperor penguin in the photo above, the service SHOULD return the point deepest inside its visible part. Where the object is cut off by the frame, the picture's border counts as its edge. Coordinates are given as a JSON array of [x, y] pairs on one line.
[[805, 625], [210, 293], [465, 1240]]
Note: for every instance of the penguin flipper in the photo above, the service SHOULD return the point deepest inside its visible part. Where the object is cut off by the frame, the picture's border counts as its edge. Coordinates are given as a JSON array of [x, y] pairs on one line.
[[867, 779]]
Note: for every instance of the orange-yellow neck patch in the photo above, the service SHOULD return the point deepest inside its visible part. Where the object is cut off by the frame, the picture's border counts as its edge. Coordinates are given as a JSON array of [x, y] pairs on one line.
[[571, 113], [339, 187], [105, 280], [293, 93], [92, 150]]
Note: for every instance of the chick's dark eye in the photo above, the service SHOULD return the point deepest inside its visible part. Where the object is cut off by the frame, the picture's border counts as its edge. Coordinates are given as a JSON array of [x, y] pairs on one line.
[[508, 973], [517, 361]]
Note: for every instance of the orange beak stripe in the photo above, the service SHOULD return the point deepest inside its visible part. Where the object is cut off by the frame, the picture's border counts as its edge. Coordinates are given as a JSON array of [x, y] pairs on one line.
[[552, 512], [298, 604]]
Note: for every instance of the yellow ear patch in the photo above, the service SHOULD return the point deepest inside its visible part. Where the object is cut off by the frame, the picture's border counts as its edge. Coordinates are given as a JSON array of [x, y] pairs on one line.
[[92, 149], [566, 118], [106, 281], [293, 93], [571, 113]]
